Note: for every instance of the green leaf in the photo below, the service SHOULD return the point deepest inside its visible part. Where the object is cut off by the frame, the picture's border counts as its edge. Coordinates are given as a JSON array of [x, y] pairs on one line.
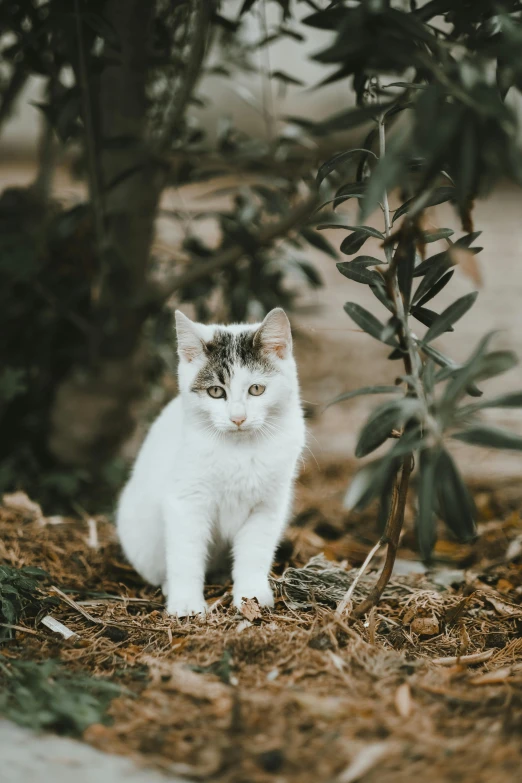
[[428, 375], [426, 316], [318, 241], [367, 261], [426, 525], [490, 437], [353, 243], [435, 289], [285, 78], [348, 191], [509, 400], [357, 272], [411, 440], [368, 230], [441, 233], [367, 322], [384, 419], [336, 161], [379, 291], [356, 240], [479, 367], [439, 196], [455, 503], [433, 274], [468, 240], [368, 483], [405, 256], [310, 272], [449, 316], [365, 390]]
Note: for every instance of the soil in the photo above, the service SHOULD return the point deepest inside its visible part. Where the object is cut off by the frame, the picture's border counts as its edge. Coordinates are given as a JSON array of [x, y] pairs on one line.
[[429, 685]]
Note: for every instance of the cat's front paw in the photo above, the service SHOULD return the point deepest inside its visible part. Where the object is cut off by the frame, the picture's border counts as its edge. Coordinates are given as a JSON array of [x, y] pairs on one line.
[[186, 605], [262, 591]]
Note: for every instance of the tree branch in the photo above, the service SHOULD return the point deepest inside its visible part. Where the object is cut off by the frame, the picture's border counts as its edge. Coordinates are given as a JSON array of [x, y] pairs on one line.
[[158, 294], [199, 26]]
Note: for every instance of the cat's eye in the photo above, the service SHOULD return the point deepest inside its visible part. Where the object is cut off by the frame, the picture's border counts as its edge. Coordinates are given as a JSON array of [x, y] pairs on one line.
[[216, 392], [256, 389]]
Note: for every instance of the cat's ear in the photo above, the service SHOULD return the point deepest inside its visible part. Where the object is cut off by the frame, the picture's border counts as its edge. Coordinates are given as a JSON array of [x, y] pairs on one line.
[[190, 343], [274, 335]]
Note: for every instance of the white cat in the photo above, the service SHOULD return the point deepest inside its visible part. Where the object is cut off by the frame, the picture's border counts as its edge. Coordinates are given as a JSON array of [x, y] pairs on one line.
[[215, 474]]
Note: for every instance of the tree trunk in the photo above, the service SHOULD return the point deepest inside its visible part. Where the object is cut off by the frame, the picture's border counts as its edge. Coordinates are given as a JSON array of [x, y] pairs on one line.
[[92, 411]]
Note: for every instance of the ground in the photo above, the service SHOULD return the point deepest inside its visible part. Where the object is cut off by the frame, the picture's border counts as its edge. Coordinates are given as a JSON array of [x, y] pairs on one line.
[[301, 693]]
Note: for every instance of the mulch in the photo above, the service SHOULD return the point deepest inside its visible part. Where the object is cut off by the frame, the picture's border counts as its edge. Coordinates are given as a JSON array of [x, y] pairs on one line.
[[428, 686]]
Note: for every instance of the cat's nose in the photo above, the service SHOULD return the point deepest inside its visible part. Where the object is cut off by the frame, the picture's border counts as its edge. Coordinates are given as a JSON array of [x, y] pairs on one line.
[[238, 419]]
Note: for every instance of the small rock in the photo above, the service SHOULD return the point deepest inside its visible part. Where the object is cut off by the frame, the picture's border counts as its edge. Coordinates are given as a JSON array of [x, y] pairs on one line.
[[425, 626]]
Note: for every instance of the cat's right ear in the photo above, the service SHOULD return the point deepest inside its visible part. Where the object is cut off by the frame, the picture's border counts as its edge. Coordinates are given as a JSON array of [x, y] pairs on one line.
[[190, 343]]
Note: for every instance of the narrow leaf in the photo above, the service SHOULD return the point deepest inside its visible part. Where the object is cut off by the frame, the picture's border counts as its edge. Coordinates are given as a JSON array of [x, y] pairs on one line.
[[437, 288], [441, 233], [366, 321], [379, 291], [439, 196], [384, 419], [456, 505], [368, 483], [318, 241], [336, 161], [432, 277], [426, 316], [490, 437], [449, 316], [510, 400], [357, 272], [426, 525], [365, 390]]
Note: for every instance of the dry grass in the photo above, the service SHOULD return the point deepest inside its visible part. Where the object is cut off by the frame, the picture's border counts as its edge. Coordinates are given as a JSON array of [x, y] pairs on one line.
[[428, 687]]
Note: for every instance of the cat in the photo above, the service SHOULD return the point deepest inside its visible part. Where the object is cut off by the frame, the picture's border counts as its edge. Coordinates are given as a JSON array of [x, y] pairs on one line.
[[215, 474]]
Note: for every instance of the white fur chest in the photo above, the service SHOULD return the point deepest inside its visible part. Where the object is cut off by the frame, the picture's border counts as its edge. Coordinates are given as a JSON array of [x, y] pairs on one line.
[[236, 480]]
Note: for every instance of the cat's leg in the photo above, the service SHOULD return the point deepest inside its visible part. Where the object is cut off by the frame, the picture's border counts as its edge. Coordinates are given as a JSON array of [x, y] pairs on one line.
[[254, 547], [187, 536]]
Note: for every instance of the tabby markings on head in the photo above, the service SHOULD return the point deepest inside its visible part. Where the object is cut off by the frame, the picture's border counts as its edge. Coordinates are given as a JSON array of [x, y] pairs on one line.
[[226, 350]]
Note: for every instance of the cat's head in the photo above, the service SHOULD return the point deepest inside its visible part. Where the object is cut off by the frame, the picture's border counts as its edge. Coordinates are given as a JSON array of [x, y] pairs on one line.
[[237, 379]]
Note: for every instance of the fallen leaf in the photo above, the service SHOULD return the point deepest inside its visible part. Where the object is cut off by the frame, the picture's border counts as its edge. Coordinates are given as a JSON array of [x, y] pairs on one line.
[[403, 700], [503, 608], [491, 678], [364, 760], [514, 549], [425, 626], [450, 660], [55, 625], [250, 609], [504, 586], [174, 676]]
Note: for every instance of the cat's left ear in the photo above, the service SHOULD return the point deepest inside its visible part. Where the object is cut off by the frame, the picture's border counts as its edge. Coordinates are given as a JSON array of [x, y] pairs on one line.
[[275, 335], [190, 343]]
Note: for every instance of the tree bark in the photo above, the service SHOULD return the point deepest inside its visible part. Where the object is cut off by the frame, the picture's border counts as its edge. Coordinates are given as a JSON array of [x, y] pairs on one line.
[[93, 407], [92, 411]]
